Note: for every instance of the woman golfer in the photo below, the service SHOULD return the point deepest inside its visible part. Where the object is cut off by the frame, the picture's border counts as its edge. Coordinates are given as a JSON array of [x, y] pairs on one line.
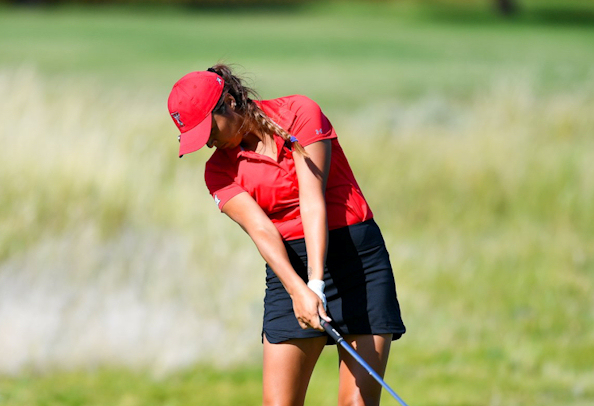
[[280, 173]]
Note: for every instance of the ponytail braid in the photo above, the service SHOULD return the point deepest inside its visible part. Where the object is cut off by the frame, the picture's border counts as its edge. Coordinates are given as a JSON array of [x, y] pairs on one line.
[[254, 117]]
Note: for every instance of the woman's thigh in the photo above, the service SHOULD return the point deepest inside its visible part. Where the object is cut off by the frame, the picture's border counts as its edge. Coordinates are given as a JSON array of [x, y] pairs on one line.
[[287, 368], [357, 387]]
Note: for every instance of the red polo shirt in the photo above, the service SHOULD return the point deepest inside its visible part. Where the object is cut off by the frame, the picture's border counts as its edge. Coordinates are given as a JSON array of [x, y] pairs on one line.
[[273, 183]]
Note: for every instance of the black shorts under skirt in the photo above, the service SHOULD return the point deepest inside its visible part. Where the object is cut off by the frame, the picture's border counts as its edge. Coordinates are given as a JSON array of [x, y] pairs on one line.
[[360, 287]]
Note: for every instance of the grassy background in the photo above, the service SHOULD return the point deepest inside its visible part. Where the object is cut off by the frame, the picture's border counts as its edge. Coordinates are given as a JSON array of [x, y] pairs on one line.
[[120, 284]]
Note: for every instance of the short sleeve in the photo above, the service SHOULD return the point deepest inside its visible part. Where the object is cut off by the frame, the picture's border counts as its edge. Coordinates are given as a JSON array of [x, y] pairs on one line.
[[220, 182], [310, 124]]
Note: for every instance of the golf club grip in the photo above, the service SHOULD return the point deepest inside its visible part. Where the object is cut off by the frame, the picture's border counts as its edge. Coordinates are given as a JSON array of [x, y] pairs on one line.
[[331, 331]]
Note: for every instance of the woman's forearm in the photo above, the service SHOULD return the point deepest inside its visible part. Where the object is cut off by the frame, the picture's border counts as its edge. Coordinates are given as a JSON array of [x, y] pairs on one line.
[[315, 228], [312, 173], [306, 303], [270, 245], [245, 211]]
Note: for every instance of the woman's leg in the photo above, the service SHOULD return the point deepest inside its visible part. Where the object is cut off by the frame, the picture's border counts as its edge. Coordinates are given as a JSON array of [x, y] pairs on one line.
[[287, 369], [357, 387]]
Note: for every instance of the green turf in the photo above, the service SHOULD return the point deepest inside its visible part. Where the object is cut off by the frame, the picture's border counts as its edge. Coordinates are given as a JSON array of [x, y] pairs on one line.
[[342, 56]]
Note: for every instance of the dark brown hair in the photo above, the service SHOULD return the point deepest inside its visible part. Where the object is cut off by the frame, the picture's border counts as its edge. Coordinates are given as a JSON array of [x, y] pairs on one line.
[[256, 119]]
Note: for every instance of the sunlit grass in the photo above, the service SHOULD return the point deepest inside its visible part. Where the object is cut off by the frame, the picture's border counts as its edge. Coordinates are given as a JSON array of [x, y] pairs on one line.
[[115, 255], [344, 55]]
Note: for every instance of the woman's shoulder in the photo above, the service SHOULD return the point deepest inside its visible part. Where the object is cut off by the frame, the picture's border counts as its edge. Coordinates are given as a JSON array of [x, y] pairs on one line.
[[288, 110]]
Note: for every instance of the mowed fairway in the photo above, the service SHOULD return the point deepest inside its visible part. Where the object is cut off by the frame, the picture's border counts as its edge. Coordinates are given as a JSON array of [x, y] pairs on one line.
[[471, 137]]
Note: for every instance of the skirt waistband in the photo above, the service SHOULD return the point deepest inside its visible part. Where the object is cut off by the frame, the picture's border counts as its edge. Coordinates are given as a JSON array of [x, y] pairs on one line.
[[363, 235]]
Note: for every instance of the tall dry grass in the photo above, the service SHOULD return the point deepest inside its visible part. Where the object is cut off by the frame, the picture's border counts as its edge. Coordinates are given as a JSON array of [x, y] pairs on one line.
[[112, 252]]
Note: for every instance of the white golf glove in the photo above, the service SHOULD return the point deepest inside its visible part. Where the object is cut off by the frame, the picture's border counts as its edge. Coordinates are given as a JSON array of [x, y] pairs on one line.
[[317, 286]]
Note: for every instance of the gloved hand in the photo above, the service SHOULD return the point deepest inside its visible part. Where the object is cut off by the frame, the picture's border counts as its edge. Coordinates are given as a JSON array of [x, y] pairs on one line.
[[317, 286]]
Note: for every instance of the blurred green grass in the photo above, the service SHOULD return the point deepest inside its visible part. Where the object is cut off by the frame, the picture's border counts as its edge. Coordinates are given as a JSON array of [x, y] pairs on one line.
[[344, 55], [110, 244]]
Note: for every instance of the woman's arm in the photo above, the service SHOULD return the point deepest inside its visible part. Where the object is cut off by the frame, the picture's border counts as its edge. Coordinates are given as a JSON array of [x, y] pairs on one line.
[[312, 173], [244, 210]]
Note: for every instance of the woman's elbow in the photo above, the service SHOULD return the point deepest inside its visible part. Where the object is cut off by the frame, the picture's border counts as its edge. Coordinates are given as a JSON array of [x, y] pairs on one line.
[[263, 231]]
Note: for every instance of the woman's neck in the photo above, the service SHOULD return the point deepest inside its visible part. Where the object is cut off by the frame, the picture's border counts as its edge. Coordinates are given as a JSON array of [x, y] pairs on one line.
[[262, 144]]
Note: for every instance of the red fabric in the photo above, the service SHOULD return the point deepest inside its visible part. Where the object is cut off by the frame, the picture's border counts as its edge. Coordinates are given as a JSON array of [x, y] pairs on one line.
[[190, 104], [273, 184]]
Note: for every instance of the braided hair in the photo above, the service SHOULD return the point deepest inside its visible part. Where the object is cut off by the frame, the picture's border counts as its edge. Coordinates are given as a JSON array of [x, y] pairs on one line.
[[255, 119]]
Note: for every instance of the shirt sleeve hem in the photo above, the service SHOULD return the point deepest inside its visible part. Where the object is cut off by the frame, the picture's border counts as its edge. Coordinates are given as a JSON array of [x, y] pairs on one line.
[[222, 196]]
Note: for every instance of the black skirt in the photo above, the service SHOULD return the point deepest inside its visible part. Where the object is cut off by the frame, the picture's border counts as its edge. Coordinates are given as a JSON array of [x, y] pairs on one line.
[[360, 287]]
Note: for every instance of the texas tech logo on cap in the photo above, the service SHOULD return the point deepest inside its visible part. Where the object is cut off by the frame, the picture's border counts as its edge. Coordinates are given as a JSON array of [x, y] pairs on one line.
[[177, 119]]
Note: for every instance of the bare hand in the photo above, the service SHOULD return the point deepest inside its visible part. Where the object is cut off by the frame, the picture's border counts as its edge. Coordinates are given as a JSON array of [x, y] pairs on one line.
[[308, 308]]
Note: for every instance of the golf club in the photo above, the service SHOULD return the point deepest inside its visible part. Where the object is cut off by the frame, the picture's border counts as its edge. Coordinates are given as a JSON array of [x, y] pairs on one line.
[[332, 332]]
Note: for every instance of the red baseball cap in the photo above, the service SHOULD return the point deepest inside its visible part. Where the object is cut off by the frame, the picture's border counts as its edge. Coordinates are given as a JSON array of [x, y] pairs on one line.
[[190, 104]]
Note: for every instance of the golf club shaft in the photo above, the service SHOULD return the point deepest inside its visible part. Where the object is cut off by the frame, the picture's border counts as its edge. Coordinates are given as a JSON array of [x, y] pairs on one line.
[[332, 332]]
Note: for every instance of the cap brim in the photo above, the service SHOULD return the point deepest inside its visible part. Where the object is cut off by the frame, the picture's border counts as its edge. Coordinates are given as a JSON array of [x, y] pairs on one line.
[[194, 139]]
